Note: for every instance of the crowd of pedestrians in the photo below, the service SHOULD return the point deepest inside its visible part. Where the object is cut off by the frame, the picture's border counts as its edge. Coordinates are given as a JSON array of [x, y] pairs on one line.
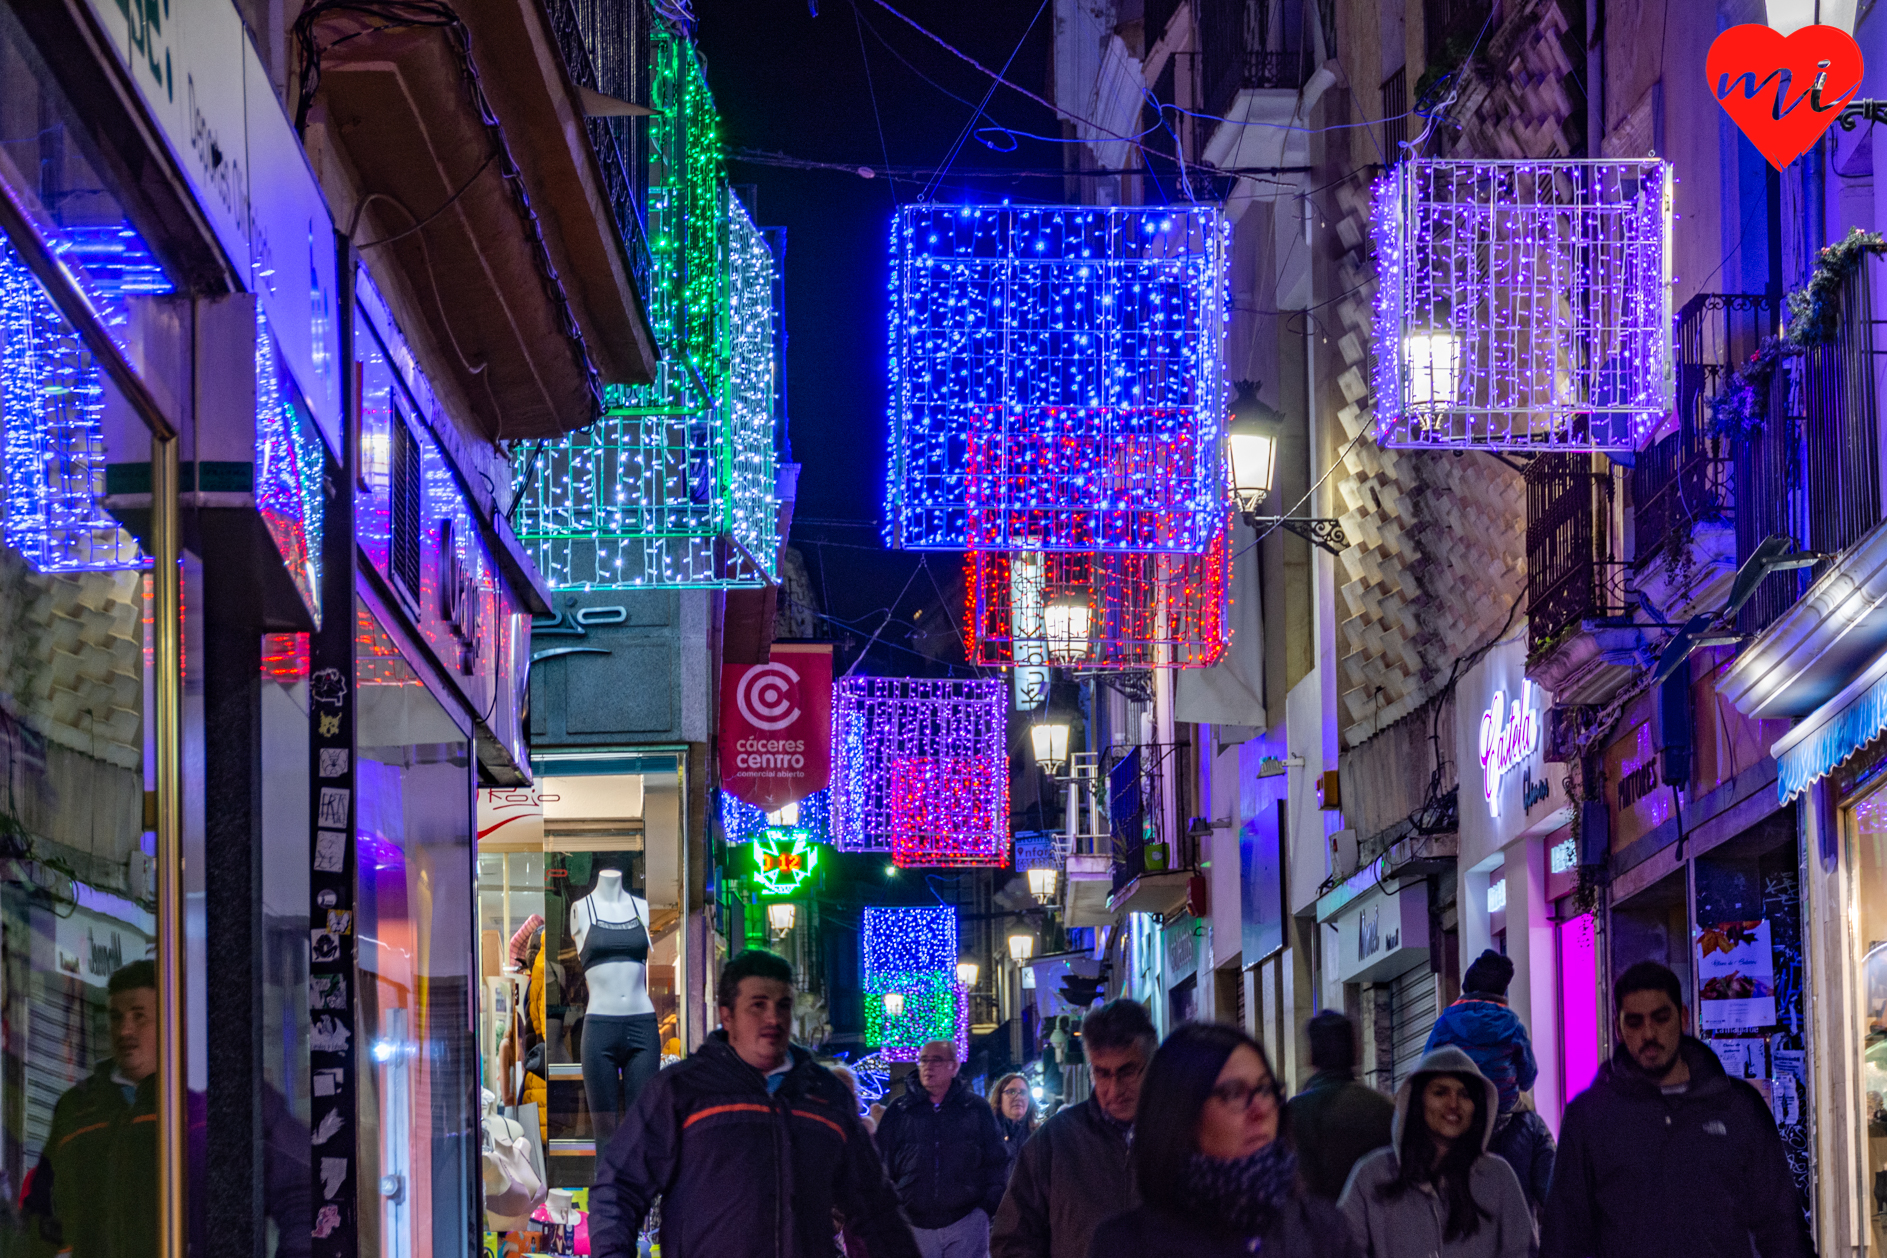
[[1189, 1147]]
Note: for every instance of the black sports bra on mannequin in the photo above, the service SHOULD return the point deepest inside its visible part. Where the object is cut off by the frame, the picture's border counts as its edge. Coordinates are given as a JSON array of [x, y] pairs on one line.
[[613, 941]]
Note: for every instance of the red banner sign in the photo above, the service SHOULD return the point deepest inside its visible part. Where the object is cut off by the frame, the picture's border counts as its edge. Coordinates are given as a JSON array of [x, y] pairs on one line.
[[776, 726]]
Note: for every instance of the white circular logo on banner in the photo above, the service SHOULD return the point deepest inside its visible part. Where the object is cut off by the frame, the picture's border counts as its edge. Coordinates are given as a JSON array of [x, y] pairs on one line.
[[768, 696]]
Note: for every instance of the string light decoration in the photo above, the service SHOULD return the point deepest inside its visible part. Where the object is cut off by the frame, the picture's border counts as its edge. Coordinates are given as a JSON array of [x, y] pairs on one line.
[[1523, 304], [52, 403], [1142, 611], [289, 473], [784, 857], [921, 770], [741, 821], [674, 486], [913, 953], [1056, 378]]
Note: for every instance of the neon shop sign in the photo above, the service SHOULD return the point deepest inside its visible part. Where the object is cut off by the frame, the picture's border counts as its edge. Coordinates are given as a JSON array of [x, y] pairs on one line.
[[1510, 733]]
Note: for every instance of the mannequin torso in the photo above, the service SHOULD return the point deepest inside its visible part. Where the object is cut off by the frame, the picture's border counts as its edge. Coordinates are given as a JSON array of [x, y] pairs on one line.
[[600, 925]]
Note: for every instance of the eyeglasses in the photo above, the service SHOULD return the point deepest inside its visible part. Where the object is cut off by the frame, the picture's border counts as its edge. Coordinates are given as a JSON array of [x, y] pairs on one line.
[[1015, 1089], [1239, 1095], [1123, 1074], [936, 1061]]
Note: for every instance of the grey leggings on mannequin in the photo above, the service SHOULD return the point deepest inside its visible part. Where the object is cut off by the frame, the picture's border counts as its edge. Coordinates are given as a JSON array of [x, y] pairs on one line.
[[619, 1056]]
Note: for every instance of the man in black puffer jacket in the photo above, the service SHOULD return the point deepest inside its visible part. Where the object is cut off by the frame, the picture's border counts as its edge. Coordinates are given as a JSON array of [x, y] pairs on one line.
[[1665, 1154], [749, 1144], [946, 1157]]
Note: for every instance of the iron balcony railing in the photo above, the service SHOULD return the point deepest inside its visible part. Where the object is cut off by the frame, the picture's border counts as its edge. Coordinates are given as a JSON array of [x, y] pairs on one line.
[[1685, 479], [1245, 46], [1573, 573], [1135, 781], [1811, 469], [617, 29]]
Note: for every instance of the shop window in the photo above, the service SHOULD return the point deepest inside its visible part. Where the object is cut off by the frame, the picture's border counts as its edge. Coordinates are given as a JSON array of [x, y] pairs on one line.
[[419, 1076], [578, 949], [1747, 951], [1870, 866]]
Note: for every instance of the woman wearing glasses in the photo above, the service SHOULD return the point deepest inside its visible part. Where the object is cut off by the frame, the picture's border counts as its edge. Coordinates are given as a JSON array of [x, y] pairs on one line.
[[1015, 1114], [1216, 1175], [1436, 1190]]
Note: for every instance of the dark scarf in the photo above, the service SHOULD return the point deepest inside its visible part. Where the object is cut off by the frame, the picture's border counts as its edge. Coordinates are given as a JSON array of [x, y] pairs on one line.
[[1243, 1194], [1014, 1130]]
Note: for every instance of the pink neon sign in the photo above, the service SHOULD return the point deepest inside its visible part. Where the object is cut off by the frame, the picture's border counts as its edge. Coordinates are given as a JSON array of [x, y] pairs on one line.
[[1510, 732]]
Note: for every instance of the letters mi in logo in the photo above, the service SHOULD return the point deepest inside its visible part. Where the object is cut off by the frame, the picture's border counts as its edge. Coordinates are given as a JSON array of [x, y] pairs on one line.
[[1783, 91]]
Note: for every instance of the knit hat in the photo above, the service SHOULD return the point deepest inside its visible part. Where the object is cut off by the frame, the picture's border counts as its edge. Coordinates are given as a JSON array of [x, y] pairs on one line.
[[1490, 974], [520, 948]]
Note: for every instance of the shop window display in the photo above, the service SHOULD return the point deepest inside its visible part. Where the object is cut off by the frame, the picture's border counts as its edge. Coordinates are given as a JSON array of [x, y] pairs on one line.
[[1747, 949], [578, 940]]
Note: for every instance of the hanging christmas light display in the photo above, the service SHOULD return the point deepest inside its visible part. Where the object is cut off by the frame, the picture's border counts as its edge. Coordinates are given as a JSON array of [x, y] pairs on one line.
[[674, 486], [742, 821], [784, 857], [1101, 610], [1523, 304], [1056, 378], [921, 769], [910, 956]]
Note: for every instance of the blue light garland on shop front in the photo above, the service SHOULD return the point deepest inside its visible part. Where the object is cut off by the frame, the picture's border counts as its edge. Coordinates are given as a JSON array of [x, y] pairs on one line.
[[1056, 378], [910, 955]]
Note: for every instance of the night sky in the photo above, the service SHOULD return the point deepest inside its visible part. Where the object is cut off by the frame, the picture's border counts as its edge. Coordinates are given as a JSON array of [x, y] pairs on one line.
[[787, 82]]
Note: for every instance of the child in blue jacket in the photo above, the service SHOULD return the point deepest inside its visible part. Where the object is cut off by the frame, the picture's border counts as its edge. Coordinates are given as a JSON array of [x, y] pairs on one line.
[[1481, 1025]]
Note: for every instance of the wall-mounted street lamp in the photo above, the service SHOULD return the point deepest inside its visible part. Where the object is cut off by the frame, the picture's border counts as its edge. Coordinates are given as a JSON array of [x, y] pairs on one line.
[[1050, 740], [1068, 623], [1042, 884], [1021, 948], [966, 974], [780, 917], [894, 1004], [1252, 434]]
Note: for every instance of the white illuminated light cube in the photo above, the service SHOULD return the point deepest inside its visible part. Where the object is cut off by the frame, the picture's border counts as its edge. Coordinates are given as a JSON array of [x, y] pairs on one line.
[[1523, 304]]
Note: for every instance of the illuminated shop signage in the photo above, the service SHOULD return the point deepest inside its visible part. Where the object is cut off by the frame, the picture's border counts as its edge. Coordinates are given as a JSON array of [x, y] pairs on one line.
[[1510, 733]]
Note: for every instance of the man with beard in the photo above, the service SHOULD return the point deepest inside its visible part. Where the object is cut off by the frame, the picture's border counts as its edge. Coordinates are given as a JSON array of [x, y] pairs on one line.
[[1666, 1153]]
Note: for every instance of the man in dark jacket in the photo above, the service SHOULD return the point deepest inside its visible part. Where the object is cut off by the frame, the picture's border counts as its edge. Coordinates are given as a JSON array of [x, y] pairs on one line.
[[1073, 1171], [749, 1144], [946, 1157], [1335, 1120], [1481, 1025], [1666, 1154]]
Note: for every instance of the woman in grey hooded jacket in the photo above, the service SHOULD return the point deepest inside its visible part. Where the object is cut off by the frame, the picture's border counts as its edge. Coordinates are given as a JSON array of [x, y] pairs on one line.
[[1436, 1190]]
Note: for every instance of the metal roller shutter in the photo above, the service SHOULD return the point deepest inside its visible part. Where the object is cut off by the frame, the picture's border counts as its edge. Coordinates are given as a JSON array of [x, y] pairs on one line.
[[1412, 1015]]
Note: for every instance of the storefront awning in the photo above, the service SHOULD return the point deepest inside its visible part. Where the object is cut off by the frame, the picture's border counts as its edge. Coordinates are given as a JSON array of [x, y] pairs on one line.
[[1832, 733]]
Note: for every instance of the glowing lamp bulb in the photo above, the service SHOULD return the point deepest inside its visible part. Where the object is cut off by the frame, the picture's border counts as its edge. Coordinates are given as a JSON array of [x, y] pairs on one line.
[[1051, 744], [966, 973], [894, 1004], [1251, 447], [1433, 364], [1021, 947], [1042, 884], [780, 917], [1068, 621]]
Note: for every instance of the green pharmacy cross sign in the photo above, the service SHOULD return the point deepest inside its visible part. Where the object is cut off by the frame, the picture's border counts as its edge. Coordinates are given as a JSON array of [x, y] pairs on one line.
[[784, 857]]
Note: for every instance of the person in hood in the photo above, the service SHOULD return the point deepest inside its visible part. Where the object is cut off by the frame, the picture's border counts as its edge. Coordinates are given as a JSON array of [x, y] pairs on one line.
[[1335, 1120], [1666, 1154], [1436, 1192], [944, 1151], [1481, 1025], [750, 1144], [1216, 1170]]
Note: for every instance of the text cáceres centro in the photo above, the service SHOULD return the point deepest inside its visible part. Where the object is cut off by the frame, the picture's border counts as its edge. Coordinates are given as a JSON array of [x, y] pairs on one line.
[[770, 753]]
